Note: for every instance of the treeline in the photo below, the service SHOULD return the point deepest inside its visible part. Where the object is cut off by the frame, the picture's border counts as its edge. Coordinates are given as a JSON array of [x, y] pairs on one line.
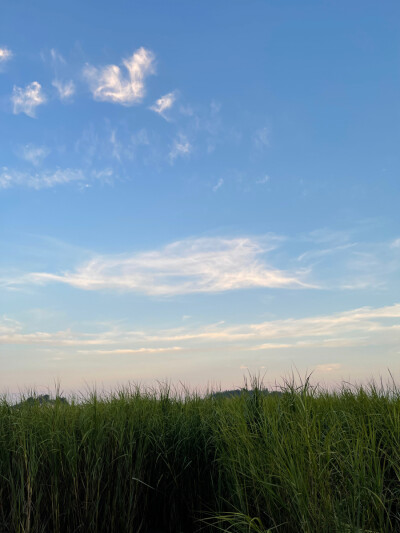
[[238, 392]]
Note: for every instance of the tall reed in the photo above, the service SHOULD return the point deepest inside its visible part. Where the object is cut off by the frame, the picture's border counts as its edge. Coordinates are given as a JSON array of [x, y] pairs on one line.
[[306, 460]]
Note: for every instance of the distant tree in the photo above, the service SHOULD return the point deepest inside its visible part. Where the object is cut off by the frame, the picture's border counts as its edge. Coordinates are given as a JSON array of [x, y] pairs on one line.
[[238, 392], [42, 399]]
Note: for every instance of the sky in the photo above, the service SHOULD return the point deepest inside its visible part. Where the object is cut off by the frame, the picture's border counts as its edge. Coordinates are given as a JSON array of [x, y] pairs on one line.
[[194, 191]]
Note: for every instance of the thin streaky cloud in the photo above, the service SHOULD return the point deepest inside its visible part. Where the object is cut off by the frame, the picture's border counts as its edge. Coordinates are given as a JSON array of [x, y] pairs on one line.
[[181, 148], [122, 351], [321, 343], [218, 185], [328, 367], [329, 236], [47, 179], [26, 100], [321, 253], [66, 90], [354, 328], [261, 138], [34, 154], [272, 346], [57, 57], [365, 320], [340, 261], [164, 103], [109, 84], [38, 180], [206, 265]]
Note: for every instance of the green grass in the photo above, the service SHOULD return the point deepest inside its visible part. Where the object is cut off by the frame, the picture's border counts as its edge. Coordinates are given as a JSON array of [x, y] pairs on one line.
[[137, 461]]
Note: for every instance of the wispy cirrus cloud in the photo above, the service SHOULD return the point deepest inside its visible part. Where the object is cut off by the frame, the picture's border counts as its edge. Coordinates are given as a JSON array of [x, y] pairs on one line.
[[204, 125], [181, 147], [66, 90], [218, 185], [262, 181], [26, 100], [65, 87], [109, 84], [337, 329], [328, 367], [34, 154], [132, 351], [56, 57], [261, 138], [164, 103], [360, 327], [39, 180], [109, 342], [345, 260], [205, 265]]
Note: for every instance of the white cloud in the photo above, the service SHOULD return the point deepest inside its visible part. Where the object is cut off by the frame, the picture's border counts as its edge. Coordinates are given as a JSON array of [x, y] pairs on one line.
[[34, 154], [218, 185], [180, 148], [8, 326], [312, 343], [46, 179], [12, 332], [333, 331], [122, 351], [328, 367], [272, 346], [395, 243], [358, 328], [5, 55], [183, 267], [108, 84], [28, 99], [38, 180], [263, 180], [66, 90], [165, 102]]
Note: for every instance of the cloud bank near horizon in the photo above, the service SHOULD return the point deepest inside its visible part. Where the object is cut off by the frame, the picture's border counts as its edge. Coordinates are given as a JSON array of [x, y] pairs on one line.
[[360, 327]]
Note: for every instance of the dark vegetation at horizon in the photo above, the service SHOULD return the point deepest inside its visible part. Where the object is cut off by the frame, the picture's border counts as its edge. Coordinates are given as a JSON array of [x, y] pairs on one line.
[[303, 460], [45, 399]]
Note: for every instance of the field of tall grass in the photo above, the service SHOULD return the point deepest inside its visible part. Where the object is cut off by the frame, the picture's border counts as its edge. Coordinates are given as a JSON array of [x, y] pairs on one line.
[[307, 460]]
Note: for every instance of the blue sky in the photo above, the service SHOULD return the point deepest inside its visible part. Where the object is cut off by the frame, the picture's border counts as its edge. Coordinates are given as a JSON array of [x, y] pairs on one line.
[[193, 190]]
